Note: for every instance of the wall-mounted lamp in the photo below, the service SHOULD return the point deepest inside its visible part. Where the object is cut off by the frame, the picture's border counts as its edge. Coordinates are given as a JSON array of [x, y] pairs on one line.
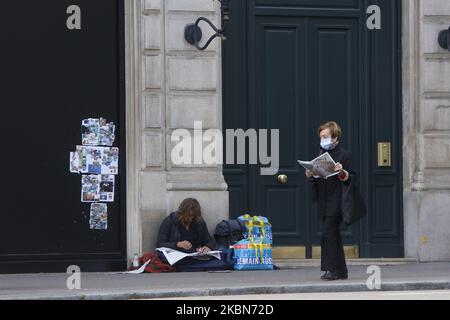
[[193, 33], [444, 39]]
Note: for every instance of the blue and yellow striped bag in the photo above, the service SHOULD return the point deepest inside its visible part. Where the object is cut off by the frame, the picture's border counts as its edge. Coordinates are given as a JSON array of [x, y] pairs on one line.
[[249, 255], [257, 227]]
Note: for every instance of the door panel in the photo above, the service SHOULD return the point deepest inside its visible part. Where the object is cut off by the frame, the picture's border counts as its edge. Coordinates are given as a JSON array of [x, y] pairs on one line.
[[384, 117], [334, 91], [279, 78], [311, 3]]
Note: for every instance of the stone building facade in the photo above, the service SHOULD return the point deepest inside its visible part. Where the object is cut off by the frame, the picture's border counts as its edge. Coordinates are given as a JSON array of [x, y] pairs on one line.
[[170, 84], [426, 131]]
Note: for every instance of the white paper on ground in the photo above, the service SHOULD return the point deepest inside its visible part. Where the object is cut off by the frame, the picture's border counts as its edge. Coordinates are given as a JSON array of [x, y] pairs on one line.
[[137, 271], [140, 270]]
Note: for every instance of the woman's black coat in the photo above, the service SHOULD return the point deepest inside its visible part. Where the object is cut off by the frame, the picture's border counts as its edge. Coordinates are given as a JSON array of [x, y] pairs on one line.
[[328, 193], [169, 233]]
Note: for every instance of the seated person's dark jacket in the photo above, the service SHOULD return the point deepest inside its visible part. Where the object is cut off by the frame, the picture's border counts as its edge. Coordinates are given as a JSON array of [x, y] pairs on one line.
[[328, 193], [169, 234]]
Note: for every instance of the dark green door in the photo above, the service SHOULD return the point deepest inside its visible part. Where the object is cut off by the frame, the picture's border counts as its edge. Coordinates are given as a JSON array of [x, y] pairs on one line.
[[294, 64]]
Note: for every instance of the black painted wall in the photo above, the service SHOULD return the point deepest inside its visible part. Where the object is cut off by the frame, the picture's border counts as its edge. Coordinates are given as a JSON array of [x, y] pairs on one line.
[[52, 78]]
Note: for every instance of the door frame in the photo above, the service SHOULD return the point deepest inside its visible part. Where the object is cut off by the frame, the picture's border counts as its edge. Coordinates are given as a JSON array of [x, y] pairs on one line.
[[246, 28], [133, 89]]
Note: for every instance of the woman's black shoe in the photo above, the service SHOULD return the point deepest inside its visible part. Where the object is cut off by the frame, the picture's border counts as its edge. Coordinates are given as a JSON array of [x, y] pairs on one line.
[[330, 276]]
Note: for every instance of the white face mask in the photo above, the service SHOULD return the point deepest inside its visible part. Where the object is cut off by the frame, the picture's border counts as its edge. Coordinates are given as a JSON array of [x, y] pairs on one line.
[[327, 144]]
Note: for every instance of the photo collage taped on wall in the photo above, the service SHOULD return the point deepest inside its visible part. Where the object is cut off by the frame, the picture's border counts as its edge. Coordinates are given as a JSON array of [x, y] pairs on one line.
[[97, 161]]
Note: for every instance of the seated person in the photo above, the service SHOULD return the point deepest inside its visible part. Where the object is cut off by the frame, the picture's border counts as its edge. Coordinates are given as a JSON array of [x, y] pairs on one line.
[[185, 230]]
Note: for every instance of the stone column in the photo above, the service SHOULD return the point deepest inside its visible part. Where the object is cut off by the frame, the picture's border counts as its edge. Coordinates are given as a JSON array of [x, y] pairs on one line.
[[426, 118], [180, 85]]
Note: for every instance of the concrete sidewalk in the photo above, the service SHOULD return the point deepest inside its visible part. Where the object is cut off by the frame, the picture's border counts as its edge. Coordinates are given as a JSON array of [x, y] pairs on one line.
[[408, 276]]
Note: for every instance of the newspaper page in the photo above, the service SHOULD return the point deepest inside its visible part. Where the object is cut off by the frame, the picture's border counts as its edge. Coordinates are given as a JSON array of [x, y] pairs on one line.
[[78, 161], [97, 187], [107, 188], [98, 216], [96, 132], [321, 167], [173, 256], [90, 188], [110, 161], [106, 136], [95, 160], [90, 132]]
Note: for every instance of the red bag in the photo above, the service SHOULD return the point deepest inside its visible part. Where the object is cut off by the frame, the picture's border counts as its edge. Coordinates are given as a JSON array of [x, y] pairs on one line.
[[155, 265]]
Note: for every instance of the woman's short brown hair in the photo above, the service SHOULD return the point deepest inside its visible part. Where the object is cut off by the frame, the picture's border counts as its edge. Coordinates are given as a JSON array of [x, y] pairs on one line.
[[335, 129], [189, 211]]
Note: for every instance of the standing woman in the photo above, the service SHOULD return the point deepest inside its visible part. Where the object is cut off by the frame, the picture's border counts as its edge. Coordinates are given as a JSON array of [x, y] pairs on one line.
[[328, 195]]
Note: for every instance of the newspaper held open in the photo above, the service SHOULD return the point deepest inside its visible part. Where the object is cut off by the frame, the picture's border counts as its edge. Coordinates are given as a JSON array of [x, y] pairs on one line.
[[321, 167], [173, 256]]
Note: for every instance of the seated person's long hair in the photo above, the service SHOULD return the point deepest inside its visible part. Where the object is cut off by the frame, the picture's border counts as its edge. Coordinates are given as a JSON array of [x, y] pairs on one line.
[[189, 212]]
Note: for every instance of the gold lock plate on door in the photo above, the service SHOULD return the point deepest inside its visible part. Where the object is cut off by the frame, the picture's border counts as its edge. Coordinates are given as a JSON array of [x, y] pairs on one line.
[[384, 154]]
